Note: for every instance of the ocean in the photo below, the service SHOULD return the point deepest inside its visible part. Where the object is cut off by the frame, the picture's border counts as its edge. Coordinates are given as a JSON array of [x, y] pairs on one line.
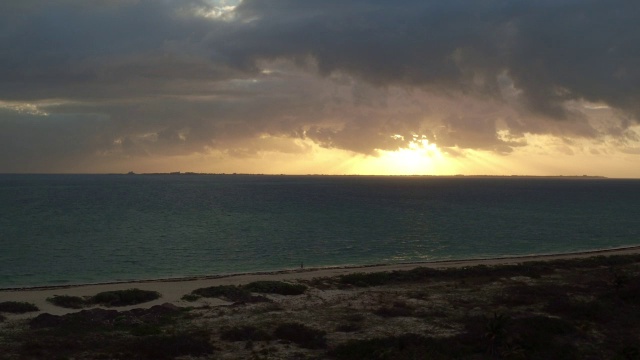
[[73, 229]]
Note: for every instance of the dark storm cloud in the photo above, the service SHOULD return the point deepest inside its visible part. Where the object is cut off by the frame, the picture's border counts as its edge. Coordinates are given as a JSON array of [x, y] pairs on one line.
[[102, 49], [553, 50], [33, 143], [157, 78]]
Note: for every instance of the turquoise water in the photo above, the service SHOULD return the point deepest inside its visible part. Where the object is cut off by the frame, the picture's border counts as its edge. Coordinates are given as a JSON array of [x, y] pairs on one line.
[[64, 229]]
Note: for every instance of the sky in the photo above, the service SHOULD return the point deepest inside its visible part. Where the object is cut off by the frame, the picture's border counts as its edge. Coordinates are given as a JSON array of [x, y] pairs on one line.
[[424, 87]]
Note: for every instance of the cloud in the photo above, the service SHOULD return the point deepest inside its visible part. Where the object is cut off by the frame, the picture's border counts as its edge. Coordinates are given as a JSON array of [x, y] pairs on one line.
[[553, 51], [51, 143], [145, 79]]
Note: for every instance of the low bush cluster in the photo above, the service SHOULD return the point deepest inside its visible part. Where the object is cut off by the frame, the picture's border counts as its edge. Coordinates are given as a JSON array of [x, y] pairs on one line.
[[350, 327], [366, 279], [171, 346], [228, 292], [243, 293], [17, 307], [124, 297], [191, 297], [67, 301], [297, 333], [408, 346], [302, 335], [396, 310], [529, 269], [275, 287], [629, 292], [245, 333], [106, 298], [114, 345], [522, 295]]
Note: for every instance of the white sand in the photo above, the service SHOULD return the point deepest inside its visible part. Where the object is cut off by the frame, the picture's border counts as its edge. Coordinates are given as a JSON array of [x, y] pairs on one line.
[[173, 290]]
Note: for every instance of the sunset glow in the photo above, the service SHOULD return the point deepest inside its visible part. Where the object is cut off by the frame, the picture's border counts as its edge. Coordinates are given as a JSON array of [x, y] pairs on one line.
[[231, 86], [419, 158]]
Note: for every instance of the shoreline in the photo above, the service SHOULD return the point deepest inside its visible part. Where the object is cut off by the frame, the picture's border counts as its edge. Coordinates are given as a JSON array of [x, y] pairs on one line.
[[572, 307], [499, 260], [172, 290]]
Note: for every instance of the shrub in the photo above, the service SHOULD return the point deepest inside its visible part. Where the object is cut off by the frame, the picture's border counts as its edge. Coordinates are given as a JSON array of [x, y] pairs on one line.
[[595, 310], [191, 297], [171, 346], [354, 317], [145, 330], [267, 308], [348, 327], [522, 295], [66, 301], [631, 351], [419, 294], [408, 346], [275, 287], [630, 291], [17, 307], [124, 297], [399, 276], [302, 335], [543, 337], [366, 279], [229, 292], [398, 309], [549, 326], [245, 333]]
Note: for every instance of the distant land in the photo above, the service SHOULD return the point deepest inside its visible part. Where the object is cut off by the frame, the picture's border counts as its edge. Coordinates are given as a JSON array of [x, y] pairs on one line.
[[353, 175]]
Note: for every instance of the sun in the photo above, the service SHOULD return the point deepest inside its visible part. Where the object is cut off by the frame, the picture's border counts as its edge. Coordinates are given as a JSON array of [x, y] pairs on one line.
[[419, 157]]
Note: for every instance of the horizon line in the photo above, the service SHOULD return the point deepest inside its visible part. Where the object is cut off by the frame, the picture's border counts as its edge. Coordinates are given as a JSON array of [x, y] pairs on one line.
[[187, 173]]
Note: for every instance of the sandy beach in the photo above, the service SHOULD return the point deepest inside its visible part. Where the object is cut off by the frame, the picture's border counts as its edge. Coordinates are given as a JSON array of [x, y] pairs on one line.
[[172, 290], [585, 304]]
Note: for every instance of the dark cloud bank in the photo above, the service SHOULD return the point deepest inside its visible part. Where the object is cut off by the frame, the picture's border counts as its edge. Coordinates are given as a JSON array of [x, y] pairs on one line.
[[123, 79]]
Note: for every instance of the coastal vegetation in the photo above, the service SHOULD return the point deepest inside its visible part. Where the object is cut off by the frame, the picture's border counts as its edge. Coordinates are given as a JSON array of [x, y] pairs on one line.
[[275, 287], [302, 335], [244, 293], [68, 301], [17, 307], [229, 292], [245, 333], [124, 297], [107, 298], [563, 309]]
